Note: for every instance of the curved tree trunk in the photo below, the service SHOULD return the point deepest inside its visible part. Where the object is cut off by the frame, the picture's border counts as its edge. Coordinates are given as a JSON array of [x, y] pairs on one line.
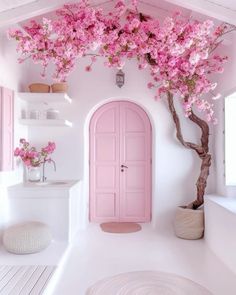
[[201, 150]]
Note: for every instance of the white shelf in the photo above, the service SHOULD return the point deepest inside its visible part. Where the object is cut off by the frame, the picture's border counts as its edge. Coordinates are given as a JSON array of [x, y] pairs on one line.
[[46, 122], [45, 98]]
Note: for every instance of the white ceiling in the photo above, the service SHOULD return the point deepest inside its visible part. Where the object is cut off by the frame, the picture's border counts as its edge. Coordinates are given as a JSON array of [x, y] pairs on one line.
[[162, 7], [11, 4], [222, 10], [14, 11], [229, 4]]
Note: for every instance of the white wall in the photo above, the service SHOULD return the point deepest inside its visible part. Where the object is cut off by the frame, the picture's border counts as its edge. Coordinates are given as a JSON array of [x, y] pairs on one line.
[[175, 169], [227, 85], [12, 75]]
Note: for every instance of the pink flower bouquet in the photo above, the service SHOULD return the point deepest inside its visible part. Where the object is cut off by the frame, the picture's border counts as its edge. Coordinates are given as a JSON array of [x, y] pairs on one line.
[[30, 156]]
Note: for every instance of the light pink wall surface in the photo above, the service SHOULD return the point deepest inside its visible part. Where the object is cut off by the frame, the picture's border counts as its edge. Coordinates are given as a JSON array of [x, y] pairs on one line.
[[12, 76], [174, 169], [7, 128]]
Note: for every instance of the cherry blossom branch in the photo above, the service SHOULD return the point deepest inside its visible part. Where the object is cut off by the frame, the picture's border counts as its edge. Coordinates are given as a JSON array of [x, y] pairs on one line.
[[201, 150], [176, 120], [204, 128]]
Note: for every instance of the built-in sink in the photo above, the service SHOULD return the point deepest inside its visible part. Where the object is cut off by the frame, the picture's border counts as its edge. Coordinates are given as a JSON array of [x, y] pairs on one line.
[[45, 183]]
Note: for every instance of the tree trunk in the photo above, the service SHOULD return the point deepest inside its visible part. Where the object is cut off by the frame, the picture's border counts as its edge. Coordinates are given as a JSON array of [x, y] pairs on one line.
[[202, 181], [201, 150]]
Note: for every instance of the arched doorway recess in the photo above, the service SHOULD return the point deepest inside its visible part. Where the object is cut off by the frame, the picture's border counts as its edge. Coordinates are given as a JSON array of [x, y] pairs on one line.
[[120, 138]]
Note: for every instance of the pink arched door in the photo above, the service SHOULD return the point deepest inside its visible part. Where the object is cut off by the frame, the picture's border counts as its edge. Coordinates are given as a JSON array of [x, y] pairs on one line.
[[120, 163]]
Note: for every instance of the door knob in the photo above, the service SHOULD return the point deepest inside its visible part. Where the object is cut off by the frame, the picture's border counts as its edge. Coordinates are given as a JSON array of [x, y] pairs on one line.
[[123, 166]]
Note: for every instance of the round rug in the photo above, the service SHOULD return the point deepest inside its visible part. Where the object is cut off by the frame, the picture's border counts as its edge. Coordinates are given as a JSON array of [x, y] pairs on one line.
[[146, 283], [120, 227]]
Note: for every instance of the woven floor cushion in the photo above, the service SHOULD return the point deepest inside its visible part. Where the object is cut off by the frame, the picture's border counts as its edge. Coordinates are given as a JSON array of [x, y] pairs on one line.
[[27, 237]]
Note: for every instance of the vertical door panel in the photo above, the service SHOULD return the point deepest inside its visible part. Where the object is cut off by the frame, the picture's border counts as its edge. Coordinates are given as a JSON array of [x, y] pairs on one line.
[[7, 123], [135, 153], [104, 164]]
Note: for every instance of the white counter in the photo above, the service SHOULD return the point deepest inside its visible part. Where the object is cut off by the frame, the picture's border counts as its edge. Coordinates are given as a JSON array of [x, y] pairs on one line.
[[220, 225], [52, 189], [59, 205]]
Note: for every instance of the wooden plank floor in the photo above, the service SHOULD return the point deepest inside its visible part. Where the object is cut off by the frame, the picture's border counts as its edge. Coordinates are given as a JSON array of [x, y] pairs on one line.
[[24, 280]]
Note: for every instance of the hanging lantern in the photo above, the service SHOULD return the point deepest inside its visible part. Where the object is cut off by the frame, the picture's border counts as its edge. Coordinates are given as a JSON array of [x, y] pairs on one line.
[[120, 78]]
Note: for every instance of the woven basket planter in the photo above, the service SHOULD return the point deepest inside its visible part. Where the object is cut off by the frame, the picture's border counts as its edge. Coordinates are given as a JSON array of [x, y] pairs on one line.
[[39, 88], [189, 223], [59, 87]]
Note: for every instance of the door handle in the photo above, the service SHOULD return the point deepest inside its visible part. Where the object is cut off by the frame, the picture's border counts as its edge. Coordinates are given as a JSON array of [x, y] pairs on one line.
[[123, 166]]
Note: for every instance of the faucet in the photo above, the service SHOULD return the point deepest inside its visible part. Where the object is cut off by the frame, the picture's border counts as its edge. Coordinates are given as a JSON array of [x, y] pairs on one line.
[[44, 178]]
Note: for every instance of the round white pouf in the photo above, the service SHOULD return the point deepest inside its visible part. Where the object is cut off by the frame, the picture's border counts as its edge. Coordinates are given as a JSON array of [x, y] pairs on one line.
[[26, 238]]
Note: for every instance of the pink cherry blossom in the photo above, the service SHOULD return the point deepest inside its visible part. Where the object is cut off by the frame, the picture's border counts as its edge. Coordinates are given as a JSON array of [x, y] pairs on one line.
[[150, 85], [88, 69], [178, 52], [17, 152]]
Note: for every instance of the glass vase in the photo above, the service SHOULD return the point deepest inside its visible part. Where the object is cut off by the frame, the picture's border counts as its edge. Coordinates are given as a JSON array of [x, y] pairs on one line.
[[34, 174]]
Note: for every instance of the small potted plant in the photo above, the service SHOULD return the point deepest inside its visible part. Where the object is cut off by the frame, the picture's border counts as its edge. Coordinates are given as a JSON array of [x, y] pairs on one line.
[[33, 159]]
